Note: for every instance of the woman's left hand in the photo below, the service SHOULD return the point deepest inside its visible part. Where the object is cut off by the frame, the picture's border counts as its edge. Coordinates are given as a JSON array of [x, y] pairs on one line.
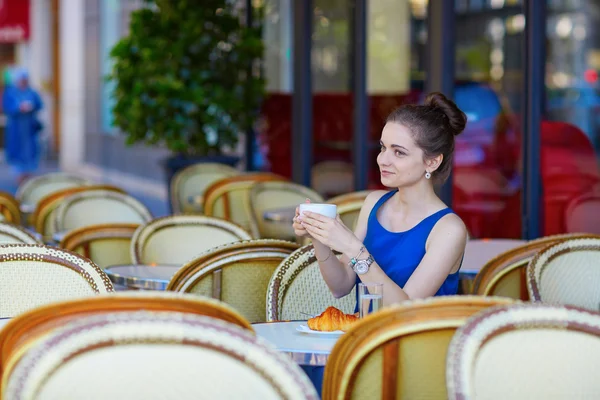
[[330, 231]]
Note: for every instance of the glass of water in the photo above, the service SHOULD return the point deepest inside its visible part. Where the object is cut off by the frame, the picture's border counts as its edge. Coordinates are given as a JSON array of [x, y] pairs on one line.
[[370, 298]]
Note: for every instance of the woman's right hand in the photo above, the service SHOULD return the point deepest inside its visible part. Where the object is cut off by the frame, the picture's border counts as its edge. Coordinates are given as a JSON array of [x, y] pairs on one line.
[[298, 228]]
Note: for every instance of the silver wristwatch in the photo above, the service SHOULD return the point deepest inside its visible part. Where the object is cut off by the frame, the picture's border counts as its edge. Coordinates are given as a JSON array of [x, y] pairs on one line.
[[361, 267]]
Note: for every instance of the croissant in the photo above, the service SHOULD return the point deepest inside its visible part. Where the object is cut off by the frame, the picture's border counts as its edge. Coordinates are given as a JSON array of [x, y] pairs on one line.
[[331, 320]]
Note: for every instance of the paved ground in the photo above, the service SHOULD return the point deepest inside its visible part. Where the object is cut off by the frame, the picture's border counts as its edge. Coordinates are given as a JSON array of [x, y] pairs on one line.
[[8, 183]]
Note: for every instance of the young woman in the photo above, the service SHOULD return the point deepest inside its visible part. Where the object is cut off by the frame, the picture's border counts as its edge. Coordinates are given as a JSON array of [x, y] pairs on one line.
[[407, 238]]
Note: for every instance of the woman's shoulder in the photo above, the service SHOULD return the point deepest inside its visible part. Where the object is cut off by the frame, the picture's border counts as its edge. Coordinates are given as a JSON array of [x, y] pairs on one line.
[[450, 225]]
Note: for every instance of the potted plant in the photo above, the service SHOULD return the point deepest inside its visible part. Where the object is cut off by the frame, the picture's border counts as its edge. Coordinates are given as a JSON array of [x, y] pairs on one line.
[[184, 79]]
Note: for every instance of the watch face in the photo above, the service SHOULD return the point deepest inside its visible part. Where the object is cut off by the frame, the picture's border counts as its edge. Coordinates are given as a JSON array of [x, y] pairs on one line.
[[361, 267]]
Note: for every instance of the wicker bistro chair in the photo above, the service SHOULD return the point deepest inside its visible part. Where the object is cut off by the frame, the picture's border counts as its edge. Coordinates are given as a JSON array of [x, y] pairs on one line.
[[27, 328], [99, 207], [505, 274], [189, 184], [236, 273], [15, 234], [581, 214], [115, 357], [9, 209], [526, 351], [567, 272], [43, 218], [178, 238], [34, 189], [272, 195], [229, 199], [32, 275], [349, 206], [400, 351], [104, 244], [297, 288]]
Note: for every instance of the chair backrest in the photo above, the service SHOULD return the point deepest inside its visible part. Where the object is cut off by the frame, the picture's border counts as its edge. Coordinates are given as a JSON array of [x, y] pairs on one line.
[[506, 275], [33, 275], [567, 272], [583, 213], [104, 244], [228, 198], [236, 273], [9, 209], [43, 218], [192, 181], [200, 357], [179, 238], [400, 351], [349, 206], [99, 207], [526, 351], [35, 324], [34, 189], [272, 195], [297, 288], [10, 233]]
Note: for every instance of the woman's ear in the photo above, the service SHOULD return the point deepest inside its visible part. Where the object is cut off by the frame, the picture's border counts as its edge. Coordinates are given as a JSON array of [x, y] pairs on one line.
[[434, 162]]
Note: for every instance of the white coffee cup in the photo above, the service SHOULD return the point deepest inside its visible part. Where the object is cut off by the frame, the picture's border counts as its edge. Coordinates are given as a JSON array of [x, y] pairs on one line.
[[328, 210]]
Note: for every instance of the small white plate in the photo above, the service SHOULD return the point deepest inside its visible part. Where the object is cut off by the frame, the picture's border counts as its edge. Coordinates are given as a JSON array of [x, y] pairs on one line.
[[306, 329]]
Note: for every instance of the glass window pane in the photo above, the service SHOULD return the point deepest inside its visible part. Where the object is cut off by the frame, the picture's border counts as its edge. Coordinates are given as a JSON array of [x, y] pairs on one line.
[[571, 129], [487, 167], [109, 35]]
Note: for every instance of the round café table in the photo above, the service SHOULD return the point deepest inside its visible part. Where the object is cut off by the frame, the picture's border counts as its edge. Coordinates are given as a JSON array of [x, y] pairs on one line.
[[145, 277], [304, 348]]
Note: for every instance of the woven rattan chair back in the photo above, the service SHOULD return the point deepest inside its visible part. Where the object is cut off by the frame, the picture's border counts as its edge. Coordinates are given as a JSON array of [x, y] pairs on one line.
[[34, 189], [10, 233], [229, 198], [297, 288], [526, 351], [43, 218], [274, 195], [200, 358], [9, 209], [35, 324], [506, 274], [33, 275], [236, 273], [400, 351], [99, 207], [189, 184], [179, 238], [104, 244], [567, 272]]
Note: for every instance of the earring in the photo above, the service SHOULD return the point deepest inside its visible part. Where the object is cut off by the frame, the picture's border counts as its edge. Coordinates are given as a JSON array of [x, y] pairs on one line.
[[427, 175]]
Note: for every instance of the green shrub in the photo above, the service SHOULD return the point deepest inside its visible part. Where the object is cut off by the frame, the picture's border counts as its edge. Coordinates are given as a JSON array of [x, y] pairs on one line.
[[185, 76]]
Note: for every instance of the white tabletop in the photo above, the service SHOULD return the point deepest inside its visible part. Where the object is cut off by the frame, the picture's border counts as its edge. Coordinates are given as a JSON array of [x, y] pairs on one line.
[[149, 277], [285, 214], [480, 251], [304, 348]]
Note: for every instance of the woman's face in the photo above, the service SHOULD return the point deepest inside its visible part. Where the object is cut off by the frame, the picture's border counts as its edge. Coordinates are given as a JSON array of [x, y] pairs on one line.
[[400, 160]]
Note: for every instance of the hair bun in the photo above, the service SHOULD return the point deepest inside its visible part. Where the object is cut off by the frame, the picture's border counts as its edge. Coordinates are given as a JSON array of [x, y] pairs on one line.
[[456, 118]]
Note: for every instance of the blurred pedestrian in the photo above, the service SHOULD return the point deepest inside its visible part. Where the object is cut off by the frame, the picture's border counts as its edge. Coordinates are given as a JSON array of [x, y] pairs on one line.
[[21, 104]]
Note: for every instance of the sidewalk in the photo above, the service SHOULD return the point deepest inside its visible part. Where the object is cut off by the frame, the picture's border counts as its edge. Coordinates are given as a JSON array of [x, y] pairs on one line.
[[158, 207]]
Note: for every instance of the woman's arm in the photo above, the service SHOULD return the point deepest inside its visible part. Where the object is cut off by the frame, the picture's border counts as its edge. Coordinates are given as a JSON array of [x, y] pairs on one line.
[[338, 275], [444, 250]]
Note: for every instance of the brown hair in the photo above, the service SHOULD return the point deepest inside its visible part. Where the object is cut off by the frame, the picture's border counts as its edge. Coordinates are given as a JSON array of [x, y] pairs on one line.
[[434, 126]]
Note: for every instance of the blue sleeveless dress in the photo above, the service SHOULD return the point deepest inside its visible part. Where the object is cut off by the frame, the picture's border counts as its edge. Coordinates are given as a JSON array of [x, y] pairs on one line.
[[398, 254]]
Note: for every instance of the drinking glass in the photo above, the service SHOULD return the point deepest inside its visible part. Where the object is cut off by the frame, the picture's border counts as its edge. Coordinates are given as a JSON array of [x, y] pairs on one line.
[[370, 298]]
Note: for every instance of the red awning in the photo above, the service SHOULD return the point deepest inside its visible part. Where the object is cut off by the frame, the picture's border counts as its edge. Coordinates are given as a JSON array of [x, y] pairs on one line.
[[14, 21]]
